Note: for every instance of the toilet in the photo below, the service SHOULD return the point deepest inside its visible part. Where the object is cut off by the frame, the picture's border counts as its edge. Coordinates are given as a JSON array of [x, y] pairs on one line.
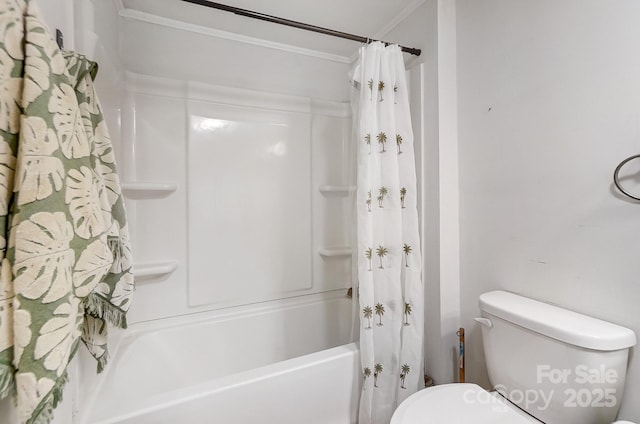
[[546, 364]]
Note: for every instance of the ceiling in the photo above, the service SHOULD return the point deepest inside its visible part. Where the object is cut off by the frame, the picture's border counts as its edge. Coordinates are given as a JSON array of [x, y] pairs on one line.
[[368, 18]]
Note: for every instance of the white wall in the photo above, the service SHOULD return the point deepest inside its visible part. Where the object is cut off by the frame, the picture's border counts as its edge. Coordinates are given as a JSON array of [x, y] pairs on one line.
[[549, 103]]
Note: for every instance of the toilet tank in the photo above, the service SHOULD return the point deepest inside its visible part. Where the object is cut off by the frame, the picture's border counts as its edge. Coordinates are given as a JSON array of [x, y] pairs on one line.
[[560, 366]]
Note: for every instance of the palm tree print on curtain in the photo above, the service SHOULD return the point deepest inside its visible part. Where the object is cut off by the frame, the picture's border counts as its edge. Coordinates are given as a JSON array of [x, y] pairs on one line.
[[407, 312], [396, 278], [366, 373], [367, 313], [406, 249], [367, 139], [382, 192], [377, 370], [382, 140], [404, 370], [380, 312], [381, 251]]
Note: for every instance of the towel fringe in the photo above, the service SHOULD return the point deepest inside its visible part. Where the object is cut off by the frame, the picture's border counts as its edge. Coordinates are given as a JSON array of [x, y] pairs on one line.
[[102, 361], [99, 307]]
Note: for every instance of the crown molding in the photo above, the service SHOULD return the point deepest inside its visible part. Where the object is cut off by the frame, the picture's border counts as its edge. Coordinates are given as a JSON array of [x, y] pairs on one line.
[[382, 33], [119, 5], [404, 14]]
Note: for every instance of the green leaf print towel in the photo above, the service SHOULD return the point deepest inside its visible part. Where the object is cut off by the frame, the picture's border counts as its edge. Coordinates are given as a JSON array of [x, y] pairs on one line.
[[64, 247]]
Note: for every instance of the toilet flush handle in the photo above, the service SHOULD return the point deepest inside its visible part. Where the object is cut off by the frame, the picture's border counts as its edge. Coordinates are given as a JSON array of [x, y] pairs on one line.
[[484, 321]]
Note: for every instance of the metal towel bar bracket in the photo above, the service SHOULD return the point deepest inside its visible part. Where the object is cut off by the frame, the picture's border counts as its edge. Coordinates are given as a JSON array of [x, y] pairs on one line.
[[60, 39], [616, 179]]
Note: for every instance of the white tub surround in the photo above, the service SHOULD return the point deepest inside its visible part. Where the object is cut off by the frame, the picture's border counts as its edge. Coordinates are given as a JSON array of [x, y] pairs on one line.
[[167, 363], [318, 388], [237, 180]]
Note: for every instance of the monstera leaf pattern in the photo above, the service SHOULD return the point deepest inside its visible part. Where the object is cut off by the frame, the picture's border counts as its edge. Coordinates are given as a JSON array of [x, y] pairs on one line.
[[95, 329], [94, 263], [9, 86], [102, 146], [36, 75], [11, 27], [22, 325], [42, 257], [42, 173], [111, 183], [65, 255], [123, 292], [6, 304], [31, 389], [122, 260], [7, 168], [49, 51], [83, 200], [57, 336], [67, 122]]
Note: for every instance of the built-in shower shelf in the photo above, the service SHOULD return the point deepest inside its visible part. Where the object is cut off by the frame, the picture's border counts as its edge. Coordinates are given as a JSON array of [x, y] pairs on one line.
[[342, 190], [156, 269], [334, 252], [137, 190]]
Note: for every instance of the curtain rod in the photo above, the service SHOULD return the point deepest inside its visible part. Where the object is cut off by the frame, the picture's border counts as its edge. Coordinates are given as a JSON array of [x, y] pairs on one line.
[[295, 24]]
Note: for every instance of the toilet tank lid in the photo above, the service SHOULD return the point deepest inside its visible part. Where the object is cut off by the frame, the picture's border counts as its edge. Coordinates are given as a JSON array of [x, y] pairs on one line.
[[558, 323]]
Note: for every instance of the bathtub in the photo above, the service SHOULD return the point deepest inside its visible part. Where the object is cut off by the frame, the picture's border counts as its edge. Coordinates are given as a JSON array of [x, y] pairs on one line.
[[282, 362]]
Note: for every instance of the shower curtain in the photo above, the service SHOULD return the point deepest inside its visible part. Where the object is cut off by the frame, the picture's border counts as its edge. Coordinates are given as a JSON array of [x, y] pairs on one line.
[[390, 291]]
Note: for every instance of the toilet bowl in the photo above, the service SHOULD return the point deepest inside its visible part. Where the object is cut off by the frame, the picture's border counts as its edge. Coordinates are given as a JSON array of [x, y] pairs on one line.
[[547, 364], [461, 403]]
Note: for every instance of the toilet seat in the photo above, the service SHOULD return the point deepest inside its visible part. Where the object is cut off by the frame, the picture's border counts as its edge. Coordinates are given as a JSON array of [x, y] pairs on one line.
[[459, 403]]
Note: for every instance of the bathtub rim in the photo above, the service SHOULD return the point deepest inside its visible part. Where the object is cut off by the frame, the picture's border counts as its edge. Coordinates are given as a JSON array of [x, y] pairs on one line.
[[121, 339], [232, 381]]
